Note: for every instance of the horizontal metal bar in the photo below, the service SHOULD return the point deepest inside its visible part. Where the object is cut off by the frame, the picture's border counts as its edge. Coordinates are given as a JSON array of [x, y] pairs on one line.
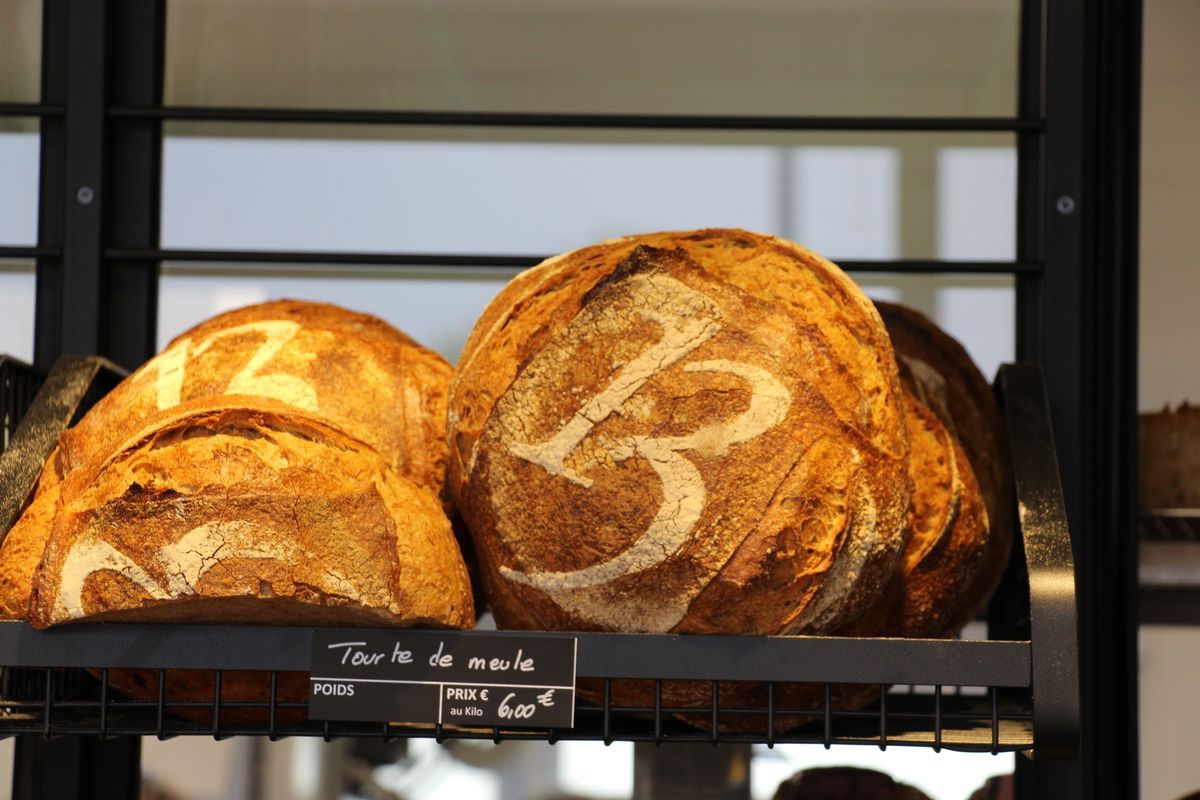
[[308, 257], [575, 120], [15, 727], [738, 658], [521, 261], [29, 251], [30, 110]]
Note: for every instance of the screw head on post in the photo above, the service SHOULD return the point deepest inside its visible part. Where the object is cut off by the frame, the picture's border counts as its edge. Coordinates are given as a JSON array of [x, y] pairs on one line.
[[85, 195], [1065, 204]]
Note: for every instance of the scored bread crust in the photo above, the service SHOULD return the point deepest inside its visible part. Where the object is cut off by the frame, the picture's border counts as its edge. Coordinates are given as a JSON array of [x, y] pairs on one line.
[[796, 526], [22, 547], [927, 596], [353, 369], [242, 509], [947, 542], [856, 356], [939, 372]]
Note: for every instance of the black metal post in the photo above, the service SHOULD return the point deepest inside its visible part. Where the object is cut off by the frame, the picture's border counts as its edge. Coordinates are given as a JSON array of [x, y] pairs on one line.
[[134, 185], [74, 58], [99, 180], [99, 187], [1114, 119], [1080, 322]]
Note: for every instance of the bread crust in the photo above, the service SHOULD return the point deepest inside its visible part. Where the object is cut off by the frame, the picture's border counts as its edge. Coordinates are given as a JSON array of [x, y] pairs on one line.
[[597, 455], [353, 369], [243, 509], [23, 544], [939, 372], [929, 595]]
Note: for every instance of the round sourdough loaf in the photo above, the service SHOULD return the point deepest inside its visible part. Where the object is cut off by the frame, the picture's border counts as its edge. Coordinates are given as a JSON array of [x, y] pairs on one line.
[[695, 432], [352, 369], [937, 370], [358, 372], [243, 509]]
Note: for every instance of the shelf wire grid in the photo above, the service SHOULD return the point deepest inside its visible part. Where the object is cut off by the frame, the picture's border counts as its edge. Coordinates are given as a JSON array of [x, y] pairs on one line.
[[57, 701]]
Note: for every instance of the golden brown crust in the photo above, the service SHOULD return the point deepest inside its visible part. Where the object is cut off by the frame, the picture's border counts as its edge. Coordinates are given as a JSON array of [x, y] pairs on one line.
[[353, 369], [23, 544], [947, 542], [940, 373], [852, 351], [641, 437], [240, 508]]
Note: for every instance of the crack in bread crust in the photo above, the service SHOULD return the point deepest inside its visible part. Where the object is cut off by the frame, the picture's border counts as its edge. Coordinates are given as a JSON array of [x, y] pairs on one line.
[[218, 500]]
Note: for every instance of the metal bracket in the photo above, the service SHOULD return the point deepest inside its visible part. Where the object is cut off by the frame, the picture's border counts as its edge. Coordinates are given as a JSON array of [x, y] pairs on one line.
[[1043, 522], [53, 409]]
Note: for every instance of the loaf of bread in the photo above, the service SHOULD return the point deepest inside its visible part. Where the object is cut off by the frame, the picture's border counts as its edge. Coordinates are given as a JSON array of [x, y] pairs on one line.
[[939, 372], [354, 370], [695, 432], [243, 509], [1169, 466]]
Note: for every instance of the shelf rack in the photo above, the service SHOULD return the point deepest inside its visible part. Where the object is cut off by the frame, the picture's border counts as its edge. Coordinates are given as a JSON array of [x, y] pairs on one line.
[[101, 115], [967, 695], [1169, 566]]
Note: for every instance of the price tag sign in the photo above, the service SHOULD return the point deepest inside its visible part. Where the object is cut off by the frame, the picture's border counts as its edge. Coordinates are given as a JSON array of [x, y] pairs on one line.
[[443, 677]]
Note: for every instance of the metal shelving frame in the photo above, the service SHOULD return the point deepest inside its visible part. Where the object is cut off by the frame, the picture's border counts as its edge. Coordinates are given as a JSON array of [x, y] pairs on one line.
[[98, 258]]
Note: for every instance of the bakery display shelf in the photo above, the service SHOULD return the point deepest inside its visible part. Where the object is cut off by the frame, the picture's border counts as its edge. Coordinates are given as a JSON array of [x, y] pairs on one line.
[[1019, 693], [1169, 525], [1169, 566]]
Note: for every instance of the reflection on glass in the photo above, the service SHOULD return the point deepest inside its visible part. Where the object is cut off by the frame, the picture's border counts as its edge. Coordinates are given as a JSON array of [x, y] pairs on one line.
[[848, 197], [17, 292], [19, 185], [437, 312], [978, 310], [653, 56], [961, 171]]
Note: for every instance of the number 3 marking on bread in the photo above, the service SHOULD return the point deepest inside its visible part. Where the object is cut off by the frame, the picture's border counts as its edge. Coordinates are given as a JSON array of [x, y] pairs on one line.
[[170, 367], [684, 493]]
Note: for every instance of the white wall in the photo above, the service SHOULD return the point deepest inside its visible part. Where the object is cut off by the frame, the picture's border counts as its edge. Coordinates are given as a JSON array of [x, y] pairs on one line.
[[1169, 352], [1169, 348]]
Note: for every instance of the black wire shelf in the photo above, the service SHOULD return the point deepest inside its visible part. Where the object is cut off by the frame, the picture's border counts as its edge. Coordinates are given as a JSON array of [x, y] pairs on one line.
[[1169, 525], [64, 702], [999, 695], [1169, 566]]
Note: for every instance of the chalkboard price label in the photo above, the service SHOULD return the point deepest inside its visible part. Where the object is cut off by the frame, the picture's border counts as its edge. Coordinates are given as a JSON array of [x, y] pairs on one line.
[[480, 679]]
